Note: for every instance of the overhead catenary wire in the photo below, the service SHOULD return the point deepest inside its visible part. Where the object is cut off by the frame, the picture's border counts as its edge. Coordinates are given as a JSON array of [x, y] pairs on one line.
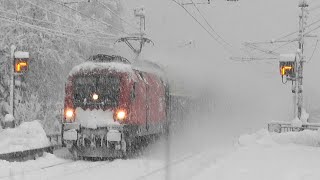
[[274, 49], [287, 35], [289, 41], [50, 31], [51, 23], [314, 50], [270, 52], [250, 59], [83, 14], [209, 24], [315, 8], [114, 13], [310, 31], [268, 42], [55, 31], [57, 14], [194, 18], [253, 46]]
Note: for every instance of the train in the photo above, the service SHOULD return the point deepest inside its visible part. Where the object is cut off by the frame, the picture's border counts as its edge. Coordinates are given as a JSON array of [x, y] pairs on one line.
[[111, 104]]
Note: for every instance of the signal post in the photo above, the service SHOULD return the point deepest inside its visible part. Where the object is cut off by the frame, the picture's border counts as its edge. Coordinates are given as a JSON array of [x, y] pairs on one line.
[[20, 65]]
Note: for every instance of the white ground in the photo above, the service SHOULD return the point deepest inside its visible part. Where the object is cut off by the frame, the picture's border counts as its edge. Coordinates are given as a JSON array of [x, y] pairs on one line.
[[290, 156], [29, 135]]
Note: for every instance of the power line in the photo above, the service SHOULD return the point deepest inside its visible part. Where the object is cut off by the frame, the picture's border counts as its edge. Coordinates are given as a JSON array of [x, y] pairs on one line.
[[312, 30], [311, 24], [60, 32], [62, 16], [255, 47], [38, 20], [315, 8], [216, 39], [209, 24], [49, 31], [268, 42], [314, 50], [94, 19], [106, 7], [250, 59]]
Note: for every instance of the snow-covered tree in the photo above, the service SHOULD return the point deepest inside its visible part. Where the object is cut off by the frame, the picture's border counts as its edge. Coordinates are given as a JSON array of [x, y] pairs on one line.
[[57, 37]]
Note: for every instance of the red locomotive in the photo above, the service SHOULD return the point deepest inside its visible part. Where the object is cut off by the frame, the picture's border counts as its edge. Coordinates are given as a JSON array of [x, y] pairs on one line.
[[111, 103]]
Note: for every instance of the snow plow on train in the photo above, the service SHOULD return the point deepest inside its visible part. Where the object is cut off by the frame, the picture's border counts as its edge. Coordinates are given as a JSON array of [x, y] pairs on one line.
[[111, 104]]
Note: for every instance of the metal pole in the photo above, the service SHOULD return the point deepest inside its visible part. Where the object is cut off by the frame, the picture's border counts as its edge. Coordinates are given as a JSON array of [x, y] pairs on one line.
[[295, 97], [12, 84], [303, 6]]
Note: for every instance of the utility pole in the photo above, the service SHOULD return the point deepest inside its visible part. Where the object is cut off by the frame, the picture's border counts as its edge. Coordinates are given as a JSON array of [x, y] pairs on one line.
[[291, 69], [300, 60], [12, 80]]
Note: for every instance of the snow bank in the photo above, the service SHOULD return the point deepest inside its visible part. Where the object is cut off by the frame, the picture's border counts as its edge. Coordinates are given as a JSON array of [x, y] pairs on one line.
[[304, 116], [28, 135], [263, 137], [8, 118], [296, 122], [18, 170], [260, 137], [265, 156]]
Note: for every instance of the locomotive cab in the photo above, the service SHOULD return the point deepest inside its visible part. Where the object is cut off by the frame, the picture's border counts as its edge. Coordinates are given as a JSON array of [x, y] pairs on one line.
[[108, 104]]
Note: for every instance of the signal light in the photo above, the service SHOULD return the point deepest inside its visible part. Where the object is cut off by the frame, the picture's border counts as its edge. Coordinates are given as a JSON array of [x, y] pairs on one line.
[[287, 65], [286, 70], [21, 65]]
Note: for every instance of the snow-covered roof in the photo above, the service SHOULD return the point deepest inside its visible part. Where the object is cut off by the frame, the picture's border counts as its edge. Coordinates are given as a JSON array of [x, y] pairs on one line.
[[139, 11], [287, 57], [20, 54], [92, 66]]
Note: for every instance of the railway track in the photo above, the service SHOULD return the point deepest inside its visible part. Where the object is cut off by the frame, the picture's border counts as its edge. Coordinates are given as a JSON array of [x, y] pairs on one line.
[[70, 163], [69, 168], [170, 165], [36, 169]]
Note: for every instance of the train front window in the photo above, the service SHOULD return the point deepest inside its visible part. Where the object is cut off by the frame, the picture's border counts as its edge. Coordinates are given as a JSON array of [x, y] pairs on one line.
[[97, 91]]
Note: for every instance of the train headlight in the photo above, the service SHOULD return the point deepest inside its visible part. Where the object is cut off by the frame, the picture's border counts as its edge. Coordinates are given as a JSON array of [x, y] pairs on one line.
[[121, 115], [69, 115], [95, 96]]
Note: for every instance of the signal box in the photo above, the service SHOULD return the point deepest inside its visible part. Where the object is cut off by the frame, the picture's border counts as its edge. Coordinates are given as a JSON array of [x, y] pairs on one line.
[[21, 62], [287, 66]]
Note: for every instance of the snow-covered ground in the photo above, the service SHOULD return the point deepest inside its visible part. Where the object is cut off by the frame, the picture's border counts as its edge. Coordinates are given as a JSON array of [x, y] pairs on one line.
[[28, 135], [261, 155], [288, 156]]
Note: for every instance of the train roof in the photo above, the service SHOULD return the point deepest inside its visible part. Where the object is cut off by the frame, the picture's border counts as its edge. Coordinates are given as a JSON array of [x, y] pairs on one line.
[[148, 66], [108, 58], [101, 62], [118, 64]]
